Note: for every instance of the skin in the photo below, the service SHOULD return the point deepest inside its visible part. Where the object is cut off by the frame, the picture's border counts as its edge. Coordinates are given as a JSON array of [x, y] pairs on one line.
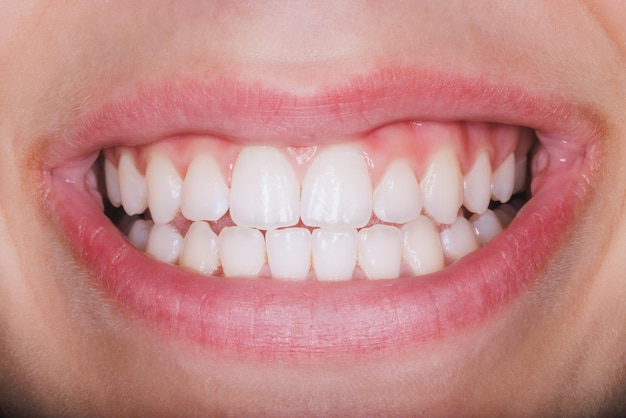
[[66, 350]]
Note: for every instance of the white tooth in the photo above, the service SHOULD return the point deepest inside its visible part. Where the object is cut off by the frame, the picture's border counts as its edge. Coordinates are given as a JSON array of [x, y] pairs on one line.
[[164, 185], [505, 214], [442, 186], [241, 250], [264, 190], [204, 196], [486, 226], [422, 247], [334, 253], [164, 243], [477, 185], [112, 183], [380, 251], [503, 180], [398, 197], [336, 190], [133, 189], [139, 233], [200, 250], [289, 253], [520, 174], [458, 240]]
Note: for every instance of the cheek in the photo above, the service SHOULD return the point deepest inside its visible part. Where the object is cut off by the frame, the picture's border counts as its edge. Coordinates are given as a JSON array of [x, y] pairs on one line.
[[611, 14]]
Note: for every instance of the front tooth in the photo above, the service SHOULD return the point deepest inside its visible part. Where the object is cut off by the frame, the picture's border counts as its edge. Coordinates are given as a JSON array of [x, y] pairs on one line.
[[442, 186], [139, 233], [204, 196], [334, 253], [164, 186], [486, 226], [380, 251], [520, 174], [398, 197], [422, 250], [289, 253], [112, 183], [164, 243], [458, 240], [200, 250], [336, 190], [241, 251], [133, 189], [503, 180], [265, 192], [477, 185]]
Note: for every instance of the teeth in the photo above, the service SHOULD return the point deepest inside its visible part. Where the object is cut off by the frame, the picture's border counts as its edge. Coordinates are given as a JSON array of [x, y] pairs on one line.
[[204, 196], [139, 233], [289, 253], [336, 190], [442, 187], [164, 186], [241, 251], [458, 240], [112, 183], [398, 197], [200, 250], [503, 180], [486, 226], [265, 192], [164, 243], [334, 253], [422, 247], [477, 185], [380, 251], [520, 175], [133, 189]]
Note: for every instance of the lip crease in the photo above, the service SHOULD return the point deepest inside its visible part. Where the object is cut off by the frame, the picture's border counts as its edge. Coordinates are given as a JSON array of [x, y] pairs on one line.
[[273, 318]]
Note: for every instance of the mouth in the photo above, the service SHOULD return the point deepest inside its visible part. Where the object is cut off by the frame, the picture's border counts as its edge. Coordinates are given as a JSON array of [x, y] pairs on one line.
[[394, 210]]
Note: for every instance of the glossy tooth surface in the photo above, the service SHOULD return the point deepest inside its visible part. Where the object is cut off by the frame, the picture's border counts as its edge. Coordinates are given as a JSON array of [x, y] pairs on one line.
[[133, 189], [112, 183], [398, 196], [289, 253], [200, 249], [336, 190], [139, 233], [422, 248], [334, 253], [486, 226], [477, 185], [241, 251], [458, 240], [204, 196], [164, 243], [442, 186], [503, 180], [380, 251], [520, 174], [164, 186]]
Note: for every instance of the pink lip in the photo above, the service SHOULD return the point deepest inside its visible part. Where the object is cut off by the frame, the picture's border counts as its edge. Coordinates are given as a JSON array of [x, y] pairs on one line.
[[271, 318]]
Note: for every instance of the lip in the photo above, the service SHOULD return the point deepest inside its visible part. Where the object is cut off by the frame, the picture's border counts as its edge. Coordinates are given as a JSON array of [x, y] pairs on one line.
[[272, 318]]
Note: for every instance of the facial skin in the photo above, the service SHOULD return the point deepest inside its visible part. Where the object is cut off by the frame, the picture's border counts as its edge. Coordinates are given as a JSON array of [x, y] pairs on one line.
[[70, 349]]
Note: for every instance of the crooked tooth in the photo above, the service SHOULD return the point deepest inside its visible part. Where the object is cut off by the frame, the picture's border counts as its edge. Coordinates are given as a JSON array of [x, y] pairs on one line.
[[133, 188], [289, 253], [334, 253], [520, 174], [477, 185], [164, 186], [422, 250], [458, 240], [503, 180], [204, 196], [398, 197], [241, 250], [264, 191], [164, 243], [442, 186], [112, 183], [336, 190], [200, 249], [380, 251], [486, 226], [139, 233]]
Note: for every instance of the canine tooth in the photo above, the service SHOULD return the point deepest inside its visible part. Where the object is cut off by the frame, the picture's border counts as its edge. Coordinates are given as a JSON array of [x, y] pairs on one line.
[[164, 186], [380, 251], [289, 252], [204, 196], [112, 183], [442, 186], [139, 233], [200, 252], [503, 180], [241, 250], [477, 185], [336, 190], [520, 174], [486, 226], [133, 189], [164, 243], [458, 240], [398, 197], [422, 248], [334, 253], [264, 191]]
